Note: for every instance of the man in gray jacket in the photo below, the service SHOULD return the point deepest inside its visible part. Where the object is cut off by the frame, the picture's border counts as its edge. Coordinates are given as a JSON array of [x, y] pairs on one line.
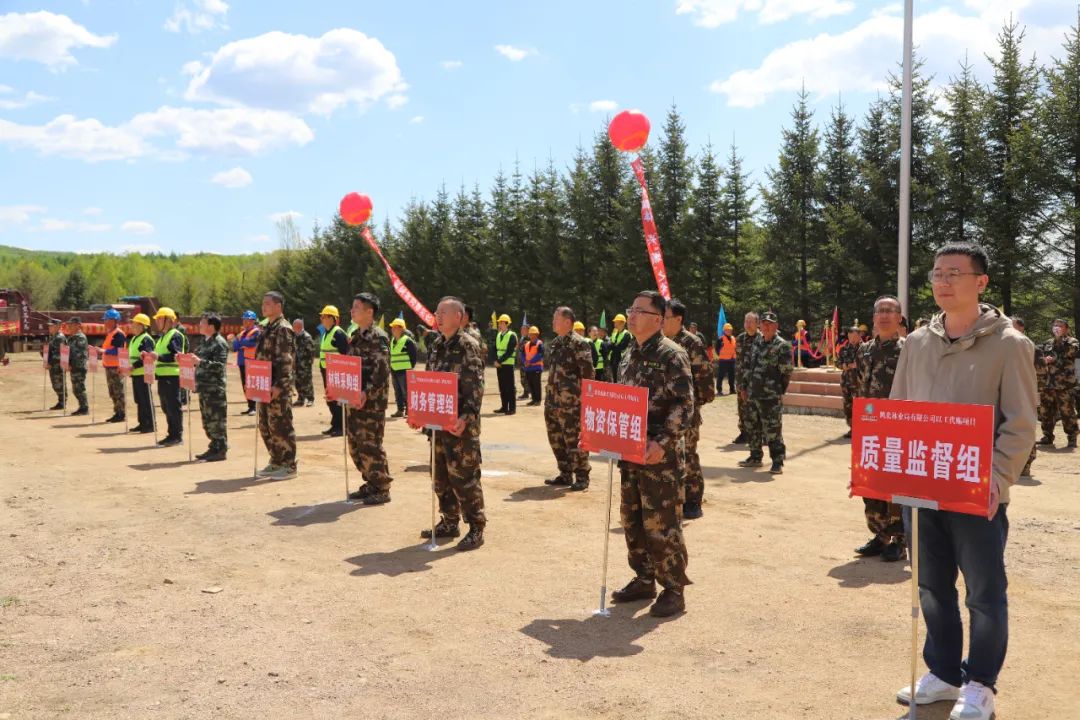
[[969, 353]]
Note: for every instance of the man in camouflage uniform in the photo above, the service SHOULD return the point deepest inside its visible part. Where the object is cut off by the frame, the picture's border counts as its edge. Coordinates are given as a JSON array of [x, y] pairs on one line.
[[849, 377], [569, 361], [211, 358], [56, 373], [743, 344], [79, 358], [1058, 398], [277, 343], [704, 392], [305, 359], [1040, 379], [651, 495], [474, 332], [768, 372], [365, 423], [457, 450], [876, 360]]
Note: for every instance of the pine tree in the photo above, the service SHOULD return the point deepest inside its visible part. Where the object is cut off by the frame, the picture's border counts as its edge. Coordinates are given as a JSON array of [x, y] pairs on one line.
[[962, 153], [73, 294], [705, 231], [737, 206], [671, 178]]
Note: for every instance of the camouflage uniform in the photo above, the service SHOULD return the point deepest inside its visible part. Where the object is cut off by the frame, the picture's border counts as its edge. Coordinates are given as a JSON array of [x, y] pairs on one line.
[[277, 344], [210, 386], [704, 392], [743, 344], [472, 332], [768, 372], [652, 495], [569, 361], [457, 459], [1040, 380], [849, 378], [876, 360], [365, 426], [56, 373], [80, 356], [306, 350], [1058, 397]]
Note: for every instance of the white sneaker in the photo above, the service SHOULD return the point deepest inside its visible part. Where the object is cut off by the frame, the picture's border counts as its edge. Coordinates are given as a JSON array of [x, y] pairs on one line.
[[269, 470], [976, 703], [281, 473], [929, 689]]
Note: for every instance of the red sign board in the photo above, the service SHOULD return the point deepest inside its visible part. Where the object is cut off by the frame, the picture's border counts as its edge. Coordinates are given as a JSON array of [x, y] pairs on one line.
[[45, 357], [343, 378], [65, 357], [249, 354], [257, 380], [123, 362], [936, 452], [149, 367], [186, 361], [433, 398], [614, 419], [92, 359]]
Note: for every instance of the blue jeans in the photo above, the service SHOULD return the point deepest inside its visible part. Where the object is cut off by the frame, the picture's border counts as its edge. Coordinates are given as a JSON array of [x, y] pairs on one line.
[[950, 542]]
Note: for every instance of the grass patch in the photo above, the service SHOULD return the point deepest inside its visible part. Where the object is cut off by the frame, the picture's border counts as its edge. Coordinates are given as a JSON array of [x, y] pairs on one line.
[[8, 601]]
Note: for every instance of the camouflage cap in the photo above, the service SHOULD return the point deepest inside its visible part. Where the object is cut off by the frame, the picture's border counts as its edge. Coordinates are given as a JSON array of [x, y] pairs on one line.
[[1061, 321], [769, 316], [75, 320], [55, 321]]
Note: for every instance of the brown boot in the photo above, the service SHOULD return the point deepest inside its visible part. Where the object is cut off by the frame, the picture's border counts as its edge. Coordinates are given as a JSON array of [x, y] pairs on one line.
[[636, 589], [444, 529], [670, 602], [473, 539]]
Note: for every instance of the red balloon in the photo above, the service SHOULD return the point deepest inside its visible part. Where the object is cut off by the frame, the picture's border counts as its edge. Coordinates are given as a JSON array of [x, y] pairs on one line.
[[355, 208], [629, 130]]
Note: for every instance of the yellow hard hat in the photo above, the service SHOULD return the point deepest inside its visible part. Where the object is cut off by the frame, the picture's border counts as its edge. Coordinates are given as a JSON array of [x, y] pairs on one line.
[[397, 322], [578, 325], [331, 310], [534, 330], [619, 318], [165, 312], [141, 319], [801, 323], [504, 318], [729, 326]]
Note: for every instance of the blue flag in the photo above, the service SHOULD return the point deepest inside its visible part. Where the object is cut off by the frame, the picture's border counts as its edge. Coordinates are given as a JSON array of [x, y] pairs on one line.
[[721, 320], [525, 318]]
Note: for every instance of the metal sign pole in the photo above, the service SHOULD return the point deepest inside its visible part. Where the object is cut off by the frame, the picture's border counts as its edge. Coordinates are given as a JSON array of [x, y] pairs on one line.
[[433, 546], [153, 410], [190, 440], [255, 470], [64, 377], [345, 446], [914, 504], [44, 379], [93, 398], [611, 458]]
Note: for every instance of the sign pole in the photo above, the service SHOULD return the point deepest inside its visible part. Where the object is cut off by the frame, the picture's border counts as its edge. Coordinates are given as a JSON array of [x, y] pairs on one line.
[[64, 376], [345, 446], [914, 606], [603, 610], [255, 470], [153, 410], [433, 546], [93, 398], [44, 379], [190, 440]]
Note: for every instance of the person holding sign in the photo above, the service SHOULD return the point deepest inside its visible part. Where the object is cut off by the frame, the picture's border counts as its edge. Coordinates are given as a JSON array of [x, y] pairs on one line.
[[250, 333], [114, 345], [652, 494], [367, 419], [457, 450], [768, 372], [334, 340], [171, 343], [569, 360], [969, 353], [80, 356], [277, 343], [704, 392], [211, 359], [141, 343], [56, 373]]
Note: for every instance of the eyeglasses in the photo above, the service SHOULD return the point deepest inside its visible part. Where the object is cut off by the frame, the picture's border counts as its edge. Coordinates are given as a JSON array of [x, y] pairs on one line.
[[887, 311], [939, 277], [639, 311]]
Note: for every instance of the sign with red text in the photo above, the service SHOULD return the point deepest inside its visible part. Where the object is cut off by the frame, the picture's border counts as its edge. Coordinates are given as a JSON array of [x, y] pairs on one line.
[[149, 364], [614, 419], [92, 359], [432, 398], [343, 378], [936, 452], [45, 357], [257, 380], [65, 357], [123, 362], [186, 361], [249, 354]]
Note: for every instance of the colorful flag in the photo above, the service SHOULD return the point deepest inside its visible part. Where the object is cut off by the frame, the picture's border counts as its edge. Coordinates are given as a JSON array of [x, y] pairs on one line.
[[721, 320], [603, 319], [382, 321]]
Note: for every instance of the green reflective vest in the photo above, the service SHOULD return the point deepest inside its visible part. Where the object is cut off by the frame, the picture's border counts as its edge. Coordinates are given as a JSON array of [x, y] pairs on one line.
[[399, 359], [326, 347], [133, 354], [599, 345], [502, 342], [618, 335], [162, 368]]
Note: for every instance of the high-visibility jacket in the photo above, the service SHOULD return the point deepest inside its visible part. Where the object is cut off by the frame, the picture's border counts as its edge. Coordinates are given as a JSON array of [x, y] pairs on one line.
[[502, 343], [111, 358], [598, 346], [326, 347], [399, 358], [727, 348], [135, 353], [166, 368], [534, 356]]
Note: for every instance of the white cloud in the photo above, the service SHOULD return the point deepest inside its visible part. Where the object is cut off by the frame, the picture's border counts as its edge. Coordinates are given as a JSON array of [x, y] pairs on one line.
[[56, 225], [18, 214], [714, 13], [94, 211], [860, 59], [197, 15], [602, 105], [298, 73], [8, 100], [46, 38], [396, 101], [137, 227], [416, 119], [143, 249], [261, 238], [514, 54], [287, 215], [234, 178], [451, 64], [68, 136]]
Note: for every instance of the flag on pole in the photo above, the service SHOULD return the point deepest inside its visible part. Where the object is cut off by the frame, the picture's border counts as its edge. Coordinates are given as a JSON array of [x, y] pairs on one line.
[[603, 319], [494, 320], [524, 318], [382, 321], [401, 315], [721, 320]]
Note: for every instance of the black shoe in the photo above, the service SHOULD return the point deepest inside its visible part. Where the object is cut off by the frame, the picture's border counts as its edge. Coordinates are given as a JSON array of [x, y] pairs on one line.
[[81, 411], [443, 529], [559, 480], [511, 412], [847, 435], [215, 456], [893, 551], [669, 603], [171, 441], [1071, 443], [399, 413], [202, 455], [137, 429], [146, 431], [361, 492], [533, 403], [377, 497], [1046, 440], [113, 418], [472, 540], [523, 397], [501, 411], [335, 433], [298, 403], [872, 547], [691, 511], [751, 462], [327, 431], [57, 406], [579, 485], [777, 467], [740, 440], [636, 589]]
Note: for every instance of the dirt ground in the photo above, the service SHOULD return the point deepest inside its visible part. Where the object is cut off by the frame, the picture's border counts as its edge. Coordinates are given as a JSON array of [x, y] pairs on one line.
[[330, 610]]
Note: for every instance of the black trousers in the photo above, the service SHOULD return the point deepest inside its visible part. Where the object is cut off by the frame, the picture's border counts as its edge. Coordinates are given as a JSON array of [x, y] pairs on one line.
[[243, 385], [141, 391], [401, 389], [507, 389], [725, 369], [533, 378], [169, 394], [335, 409]]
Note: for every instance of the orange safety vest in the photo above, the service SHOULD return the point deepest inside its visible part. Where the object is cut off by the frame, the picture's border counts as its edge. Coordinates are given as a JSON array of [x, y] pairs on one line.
[[531, 349], [727, 348], [114, 359]]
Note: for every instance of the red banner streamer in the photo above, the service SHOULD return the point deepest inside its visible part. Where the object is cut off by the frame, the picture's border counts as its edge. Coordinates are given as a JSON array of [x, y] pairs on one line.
[[652, 239], [399, 287]]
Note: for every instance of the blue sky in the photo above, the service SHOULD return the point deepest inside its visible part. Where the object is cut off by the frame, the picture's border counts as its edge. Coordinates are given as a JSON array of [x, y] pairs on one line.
[[132, 125]]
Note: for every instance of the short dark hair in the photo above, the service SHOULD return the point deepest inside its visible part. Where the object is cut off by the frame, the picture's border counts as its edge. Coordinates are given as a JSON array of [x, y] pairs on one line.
[[276, 297], [213, 319], [979, 259], [655, 299], [892, 299], [677, 308], [452, 299], [566, 312], [1017, 320], [368, 299], [469, 312]]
